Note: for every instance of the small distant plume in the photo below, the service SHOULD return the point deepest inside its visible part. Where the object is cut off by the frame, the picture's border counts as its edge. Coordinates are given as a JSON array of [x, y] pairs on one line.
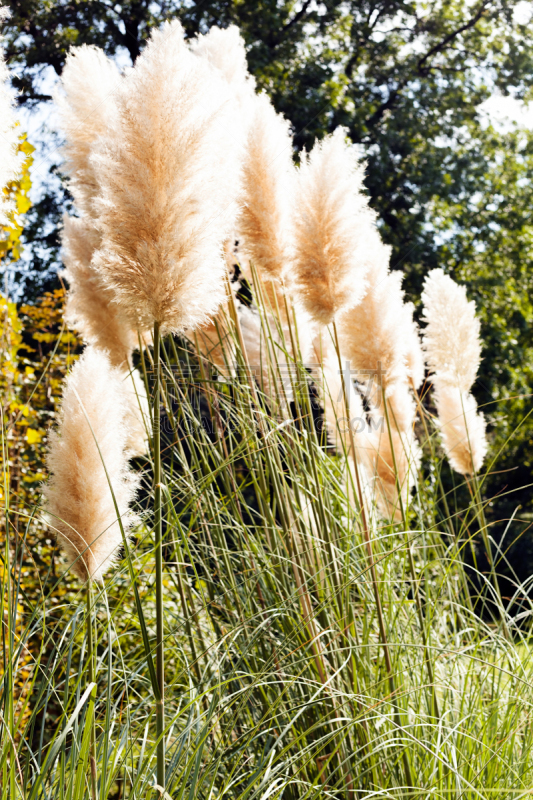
[[169, 173], [416, 365], [8, 137], [215, 341], [453, 348], [335, 236], [78, 498], [332, 390]]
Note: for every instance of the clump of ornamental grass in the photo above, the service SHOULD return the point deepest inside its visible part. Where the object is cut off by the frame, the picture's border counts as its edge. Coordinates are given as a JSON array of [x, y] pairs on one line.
[[271, 615], [311, 647]]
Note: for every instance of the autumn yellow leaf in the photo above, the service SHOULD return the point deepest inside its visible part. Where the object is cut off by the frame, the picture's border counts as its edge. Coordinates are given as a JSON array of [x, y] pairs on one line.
[[33, 436]]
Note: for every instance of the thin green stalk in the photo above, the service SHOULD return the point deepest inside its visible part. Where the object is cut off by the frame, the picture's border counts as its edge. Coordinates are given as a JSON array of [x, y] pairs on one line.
[[411, 563], [91, 673], [158, 532]]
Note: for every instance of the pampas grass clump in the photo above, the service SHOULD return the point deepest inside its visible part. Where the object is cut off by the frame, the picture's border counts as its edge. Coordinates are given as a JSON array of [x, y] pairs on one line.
[[453, 348], [79, 501]]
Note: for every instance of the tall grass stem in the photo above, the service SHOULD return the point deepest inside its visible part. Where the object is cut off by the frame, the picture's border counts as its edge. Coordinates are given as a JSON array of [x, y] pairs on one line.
[[158, 532]]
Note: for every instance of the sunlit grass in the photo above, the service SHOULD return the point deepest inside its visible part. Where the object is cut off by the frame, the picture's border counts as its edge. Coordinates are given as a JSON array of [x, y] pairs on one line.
[[281, 679]]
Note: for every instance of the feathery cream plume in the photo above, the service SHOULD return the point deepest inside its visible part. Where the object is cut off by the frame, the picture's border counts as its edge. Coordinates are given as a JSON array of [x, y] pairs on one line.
[[268, 182], [372, 335], [224, 49], [90, 308], [79, 501], [334, 227], [137, 414], [453, 348], [263, 223], [378, 337], [8, 136], [87, 108], [264, 230], [168, 197]]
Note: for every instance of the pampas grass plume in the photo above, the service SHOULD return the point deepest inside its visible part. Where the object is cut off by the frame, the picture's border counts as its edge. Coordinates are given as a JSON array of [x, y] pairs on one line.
[[87, 109], [137, 414], [78, 498], [90, 308], [452, 336], [335, 232], [379, 339], [8, 135], [224, 49], [268, 181], [462, 429], [169, 172], [453, 349]]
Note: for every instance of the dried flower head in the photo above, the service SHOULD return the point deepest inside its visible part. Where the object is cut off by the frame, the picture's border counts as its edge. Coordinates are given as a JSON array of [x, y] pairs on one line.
[[395, 465], [264, 222], [451, 338], [453, 349], [90, 308], [168, 197], [225, 49], [87, 109], [462, 429], [335, 235], [79, 501], [379, 339]]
